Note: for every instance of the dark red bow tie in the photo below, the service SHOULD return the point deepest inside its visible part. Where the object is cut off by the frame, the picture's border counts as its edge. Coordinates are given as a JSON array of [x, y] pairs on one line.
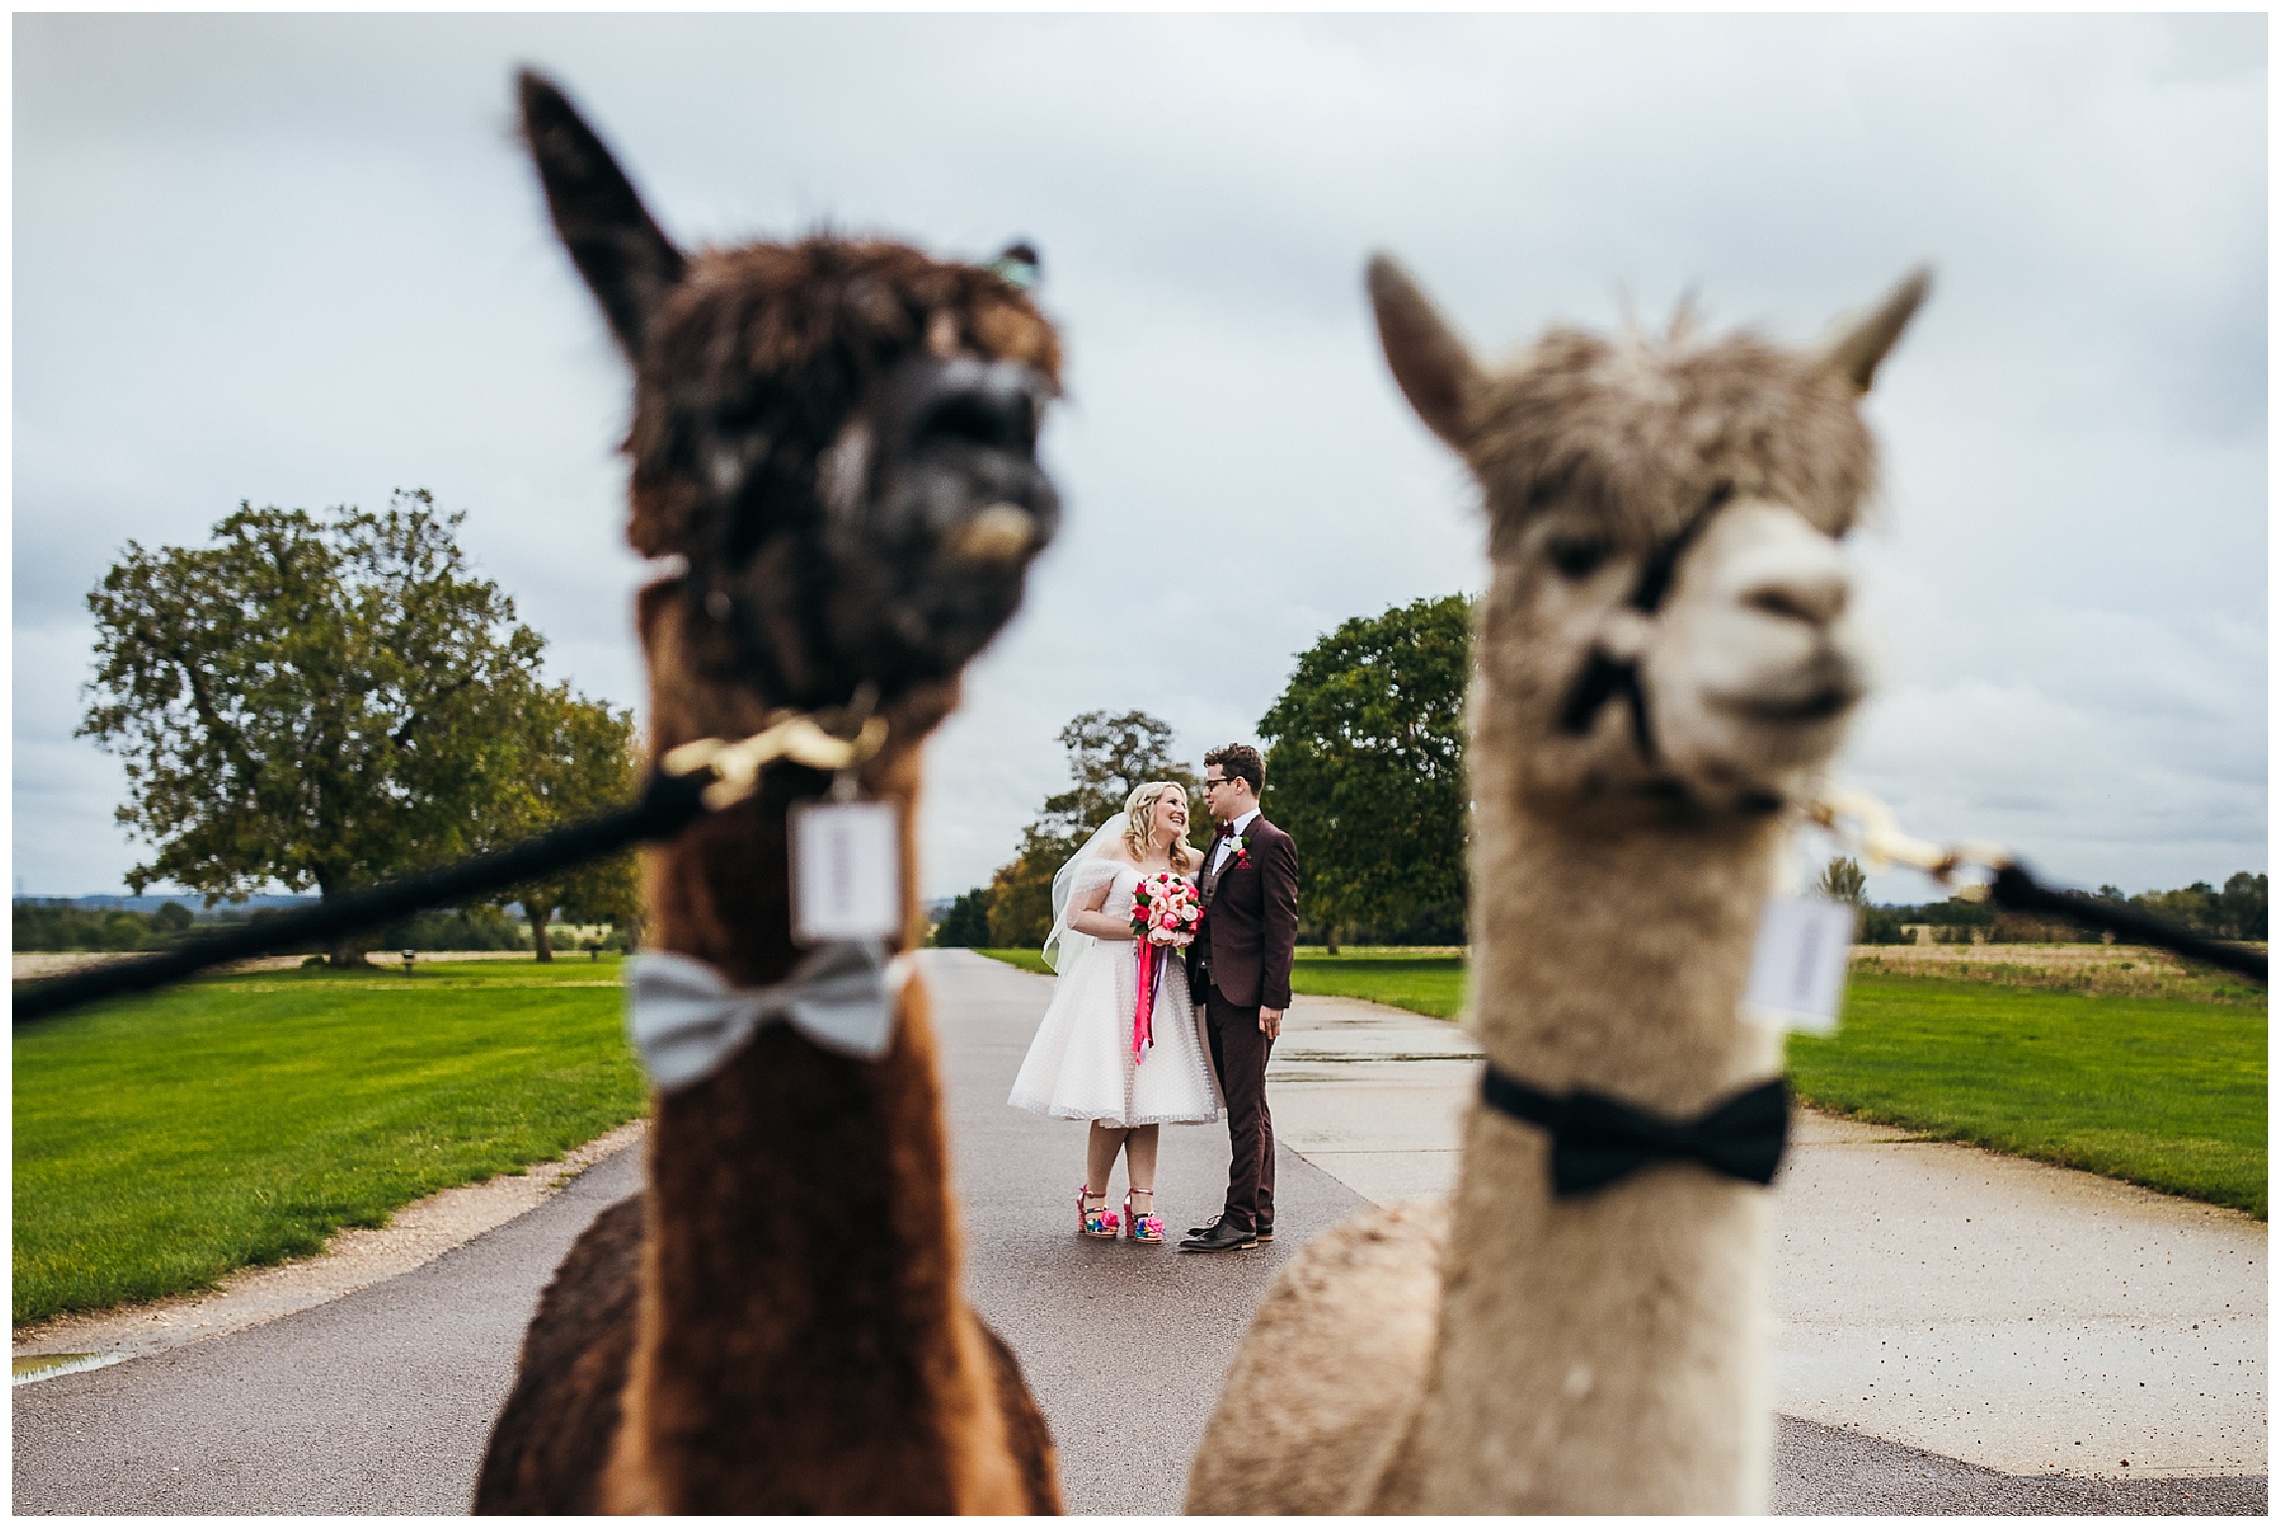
[[1226, 830]]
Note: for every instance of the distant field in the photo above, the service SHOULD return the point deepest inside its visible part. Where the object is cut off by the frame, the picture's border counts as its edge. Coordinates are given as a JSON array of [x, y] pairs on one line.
[[2087, 969], [2168, 1092], [164, 1141]]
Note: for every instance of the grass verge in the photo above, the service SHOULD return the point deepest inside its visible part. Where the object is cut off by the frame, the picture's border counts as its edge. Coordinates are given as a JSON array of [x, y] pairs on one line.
[[2165, 1092], [2088, 970], [165, 1141], [1027, 960], [1429, 984]]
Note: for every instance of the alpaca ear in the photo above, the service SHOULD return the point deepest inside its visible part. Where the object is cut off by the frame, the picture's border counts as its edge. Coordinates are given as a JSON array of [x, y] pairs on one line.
[[1437, 373], [1862, 346], [625, 257]]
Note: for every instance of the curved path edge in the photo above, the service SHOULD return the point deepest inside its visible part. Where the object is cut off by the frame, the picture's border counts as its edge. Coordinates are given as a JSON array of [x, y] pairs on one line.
[[354, 1258]]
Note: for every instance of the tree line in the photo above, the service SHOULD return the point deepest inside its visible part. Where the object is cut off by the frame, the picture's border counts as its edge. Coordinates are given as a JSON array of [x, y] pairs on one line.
[[328, 701], [63, 926], [2237, 912], [1365, 768], [57, 925]]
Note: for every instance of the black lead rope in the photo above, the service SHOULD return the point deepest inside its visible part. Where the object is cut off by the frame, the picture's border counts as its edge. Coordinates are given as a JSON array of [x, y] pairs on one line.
[[2015, 889], [668, 804]]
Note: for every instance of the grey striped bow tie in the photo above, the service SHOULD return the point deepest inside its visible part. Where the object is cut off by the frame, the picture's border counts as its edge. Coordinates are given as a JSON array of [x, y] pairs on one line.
[[686, 1020]]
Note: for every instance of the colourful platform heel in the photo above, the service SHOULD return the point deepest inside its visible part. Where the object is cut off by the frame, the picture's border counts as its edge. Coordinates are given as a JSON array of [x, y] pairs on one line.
[[1147, 1229], [1097, 1222]]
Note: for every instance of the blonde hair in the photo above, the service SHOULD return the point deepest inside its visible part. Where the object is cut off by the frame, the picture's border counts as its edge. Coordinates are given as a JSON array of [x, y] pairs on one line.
[[1139, 819]]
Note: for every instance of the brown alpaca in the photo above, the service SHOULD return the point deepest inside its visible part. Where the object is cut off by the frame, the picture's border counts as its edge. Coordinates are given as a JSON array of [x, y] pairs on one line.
[[836, 439], [1665, 660]]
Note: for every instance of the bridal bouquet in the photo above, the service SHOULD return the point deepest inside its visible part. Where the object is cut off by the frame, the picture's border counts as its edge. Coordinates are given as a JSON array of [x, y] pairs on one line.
[[1166, 912]]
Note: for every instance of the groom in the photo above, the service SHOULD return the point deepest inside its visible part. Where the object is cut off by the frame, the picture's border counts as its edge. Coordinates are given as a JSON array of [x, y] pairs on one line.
[[1239, 970]]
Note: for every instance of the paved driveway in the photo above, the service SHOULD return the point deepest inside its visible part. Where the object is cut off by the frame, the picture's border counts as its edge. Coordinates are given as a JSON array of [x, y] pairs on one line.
[[381, 1401]]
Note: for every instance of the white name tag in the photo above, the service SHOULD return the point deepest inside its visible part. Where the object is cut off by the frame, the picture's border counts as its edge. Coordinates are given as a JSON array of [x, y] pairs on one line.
[[846, 871], [1797, 972]]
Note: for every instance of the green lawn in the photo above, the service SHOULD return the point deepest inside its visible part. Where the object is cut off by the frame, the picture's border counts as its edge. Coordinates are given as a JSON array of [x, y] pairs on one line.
[[1421, 983], [2166, 1092], [1027, 960], [162, 1142]]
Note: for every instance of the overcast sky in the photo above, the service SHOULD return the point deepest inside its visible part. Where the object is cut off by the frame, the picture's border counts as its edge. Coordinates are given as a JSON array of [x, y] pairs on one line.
[[300, 260]]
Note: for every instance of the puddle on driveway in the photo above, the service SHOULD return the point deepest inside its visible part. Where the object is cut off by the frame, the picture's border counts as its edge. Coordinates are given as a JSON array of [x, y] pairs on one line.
[[31, 1368]]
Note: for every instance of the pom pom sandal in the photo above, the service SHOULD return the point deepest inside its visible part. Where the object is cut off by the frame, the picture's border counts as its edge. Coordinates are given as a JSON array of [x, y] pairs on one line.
[[1095, 1222], [1146, 1229]]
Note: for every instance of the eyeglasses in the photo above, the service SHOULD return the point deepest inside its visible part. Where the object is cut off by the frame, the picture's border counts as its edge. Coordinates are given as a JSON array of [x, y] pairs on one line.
[[1230, 780]]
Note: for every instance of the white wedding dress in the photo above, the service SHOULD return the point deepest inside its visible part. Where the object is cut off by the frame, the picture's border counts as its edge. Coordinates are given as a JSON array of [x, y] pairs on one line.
[[1080, 1065]]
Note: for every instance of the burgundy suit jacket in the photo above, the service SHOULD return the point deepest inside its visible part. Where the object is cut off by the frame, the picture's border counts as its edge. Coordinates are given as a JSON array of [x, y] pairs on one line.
[[1250, 922]]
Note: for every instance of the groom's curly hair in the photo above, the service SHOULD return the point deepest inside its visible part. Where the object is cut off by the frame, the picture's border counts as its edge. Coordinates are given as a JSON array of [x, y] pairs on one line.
[[1240, 761]]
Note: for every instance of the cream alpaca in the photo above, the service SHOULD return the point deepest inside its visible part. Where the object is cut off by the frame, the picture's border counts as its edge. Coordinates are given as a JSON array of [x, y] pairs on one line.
[[1515, 1351]]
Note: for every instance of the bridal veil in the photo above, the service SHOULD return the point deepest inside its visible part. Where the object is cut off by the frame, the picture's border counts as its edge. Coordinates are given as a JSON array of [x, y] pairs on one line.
[[1087, 868]]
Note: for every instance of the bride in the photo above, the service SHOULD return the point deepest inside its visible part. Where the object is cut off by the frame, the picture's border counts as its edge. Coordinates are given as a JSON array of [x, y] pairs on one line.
[[1081, 1065]]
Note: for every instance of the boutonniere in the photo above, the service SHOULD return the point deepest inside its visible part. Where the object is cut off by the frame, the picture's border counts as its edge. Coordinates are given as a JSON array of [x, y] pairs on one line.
[[1242, 859]]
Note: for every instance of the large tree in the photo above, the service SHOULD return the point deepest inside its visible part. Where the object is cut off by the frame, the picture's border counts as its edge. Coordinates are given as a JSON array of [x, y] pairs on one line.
[[1365, 763], [1108, 756], [2244, 904], [320, 701], [578, 761]]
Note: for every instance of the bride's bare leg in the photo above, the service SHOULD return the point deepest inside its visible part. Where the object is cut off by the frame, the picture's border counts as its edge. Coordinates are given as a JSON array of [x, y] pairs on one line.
[[1101, 1146], [1140, 1160]]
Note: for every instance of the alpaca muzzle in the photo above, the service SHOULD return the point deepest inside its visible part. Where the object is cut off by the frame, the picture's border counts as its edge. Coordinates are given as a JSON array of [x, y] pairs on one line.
[[903, 557], [999, 535], [1610, 672], [1740, 676]]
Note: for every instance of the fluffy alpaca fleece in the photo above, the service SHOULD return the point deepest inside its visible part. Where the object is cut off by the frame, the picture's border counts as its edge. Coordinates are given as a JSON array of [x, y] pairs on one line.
[[778, 1324], [1513, 1351]]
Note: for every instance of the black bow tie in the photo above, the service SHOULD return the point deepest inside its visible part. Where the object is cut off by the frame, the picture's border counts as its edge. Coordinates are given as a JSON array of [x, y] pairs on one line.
[[1597, 1140]]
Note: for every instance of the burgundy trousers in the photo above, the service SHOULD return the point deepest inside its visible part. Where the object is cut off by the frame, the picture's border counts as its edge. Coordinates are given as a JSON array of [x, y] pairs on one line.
[[1239, 1054]]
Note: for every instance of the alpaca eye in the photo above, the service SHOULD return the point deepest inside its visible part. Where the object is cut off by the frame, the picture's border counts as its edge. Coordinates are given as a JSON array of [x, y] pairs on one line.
[[1577, 556]]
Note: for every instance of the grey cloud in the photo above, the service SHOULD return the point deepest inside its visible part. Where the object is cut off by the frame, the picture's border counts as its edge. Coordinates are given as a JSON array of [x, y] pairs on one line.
[[297, 259]]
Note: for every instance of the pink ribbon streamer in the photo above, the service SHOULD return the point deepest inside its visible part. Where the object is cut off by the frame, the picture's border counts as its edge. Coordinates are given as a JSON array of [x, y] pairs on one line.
[[1151, 962]]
